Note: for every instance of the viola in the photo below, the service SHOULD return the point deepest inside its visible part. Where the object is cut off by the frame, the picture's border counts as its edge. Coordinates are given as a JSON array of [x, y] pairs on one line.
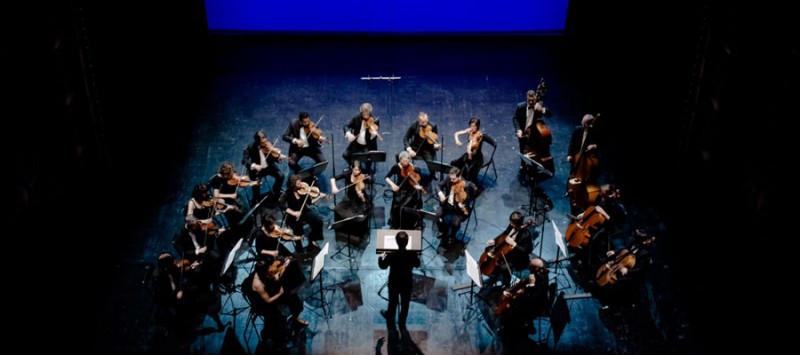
[[411, 176], [372, 126], [491, 257], [271, 150], [460, 195], [580, 232], [428, 134]]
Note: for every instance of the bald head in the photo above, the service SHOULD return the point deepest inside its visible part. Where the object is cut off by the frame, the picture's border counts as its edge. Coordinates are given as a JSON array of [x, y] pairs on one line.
[[537, 263]]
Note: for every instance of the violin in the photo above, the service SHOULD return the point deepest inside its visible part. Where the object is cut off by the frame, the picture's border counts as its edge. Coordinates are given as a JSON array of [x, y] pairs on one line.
[[475, 140], [460, 195], [372, 126], [412, 177], [580, 232], [271, 150], [491, 257], [241, 182], [313, 130], [208, 227], [217, 204], [311, 191], [609, 272], [428, 134], [186, 264], [281, 233]]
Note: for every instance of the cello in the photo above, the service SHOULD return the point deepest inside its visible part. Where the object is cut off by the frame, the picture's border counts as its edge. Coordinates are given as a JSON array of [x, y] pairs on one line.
[[580, 232], [491, 257], [622, 263]]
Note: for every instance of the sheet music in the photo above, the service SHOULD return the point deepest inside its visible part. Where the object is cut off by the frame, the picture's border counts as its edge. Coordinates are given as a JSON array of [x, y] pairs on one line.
[[231, 255], [559, 239], [472, 270], [318, 262]]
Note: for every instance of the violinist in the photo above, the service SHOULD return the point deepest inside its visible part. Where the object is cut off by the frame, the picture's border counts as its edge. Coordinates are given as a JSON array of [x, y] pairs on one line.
[[268, 240], [520, 238], [407, 193], [455, 195], [232, 189], [197, 244], [472, 159], [357, 201], [167, 288], [298, 201], [261, 159], [361, 132], [528, 119], [421, 139], [207, 209], [298, 134]]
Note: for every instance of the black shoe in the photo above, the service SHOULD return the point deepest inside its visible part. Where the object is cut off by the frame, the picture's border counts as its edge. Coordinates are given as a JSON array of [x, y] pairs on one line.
[[384, 315]]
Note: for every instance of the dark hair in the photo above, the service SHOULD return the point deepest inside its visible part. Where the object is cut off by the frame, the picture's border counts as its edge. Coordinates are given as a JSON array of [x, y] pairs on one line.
[[402, 240], [199, 189], [516, 218], [259, 134], [268, 220], [303, 115], [476, 121]]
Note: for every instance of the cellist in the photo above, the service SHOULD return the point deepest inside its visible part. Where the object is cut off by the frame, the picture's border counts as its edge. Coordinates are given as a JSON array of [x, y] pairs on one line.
[[519, 238]]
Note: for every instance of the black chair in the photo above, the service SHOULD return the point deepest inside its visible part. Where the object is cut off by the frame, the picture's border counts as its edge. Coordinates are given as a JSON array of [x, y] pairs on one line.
[[492, 142]]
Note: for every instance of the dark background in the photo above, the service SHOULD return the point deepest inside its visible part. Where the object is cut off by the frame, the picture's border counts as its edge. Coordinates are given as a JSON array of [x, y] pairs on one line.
[[697, 91]]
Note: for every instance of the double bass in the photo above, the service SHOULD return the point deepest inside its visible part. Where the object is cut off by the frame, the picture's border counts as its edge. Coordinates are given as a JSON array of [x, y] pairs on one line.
[[538, 149], [581, 175]]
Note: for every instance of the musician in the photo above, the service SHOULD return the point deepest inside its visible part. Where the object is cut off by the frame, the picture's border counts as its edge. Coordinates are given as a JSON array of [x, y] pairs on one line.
[[197, 242], [526, 115], [417, 145], [516, 319], [231, 188], [265, 290], [406, 193], [268, 240], [260, 162], [519, 236], [361, 137], [453, 209], [472, 160], [356, 193], [167, 288], [401, 281], [183, 291], [302, 145], [584, 140], [541, 294], [202, 206], [298, 211]]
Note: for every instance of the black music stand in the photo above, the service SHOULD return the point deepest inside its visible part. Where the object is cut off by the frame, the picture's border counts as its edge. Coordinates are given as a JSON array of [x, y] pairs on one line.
[[349, 245], [532, 198], [313, 170], [317, 266]]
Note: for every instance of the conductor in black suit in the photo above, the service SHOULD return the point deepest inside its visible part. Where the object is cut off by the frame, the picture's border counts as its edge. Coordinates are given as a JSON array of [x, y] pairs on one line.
[[401, 262]]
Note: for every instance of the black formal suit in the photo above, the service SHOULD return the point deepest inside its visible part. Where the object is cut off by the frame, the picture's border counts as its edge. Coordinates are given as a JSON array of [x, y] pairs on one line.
[[295, 154], [401, 281]]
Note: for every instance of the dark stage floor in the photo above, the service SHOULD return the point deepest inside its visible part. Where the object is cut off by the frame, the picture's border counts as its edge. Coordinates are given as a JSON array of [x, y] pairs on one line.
[[263, 84]]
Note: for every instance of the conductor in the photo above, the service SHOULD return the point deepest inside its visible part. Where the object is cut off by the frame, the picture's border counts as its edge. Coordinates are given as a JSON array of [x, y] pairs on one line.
[[401, 262]]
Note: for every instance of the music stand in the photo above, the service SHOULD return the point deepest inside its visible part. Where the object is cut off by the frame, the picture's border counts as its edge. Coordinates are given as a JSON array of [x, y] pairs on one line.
[[317, 264], [476, 279], [423, 214], [348, 246], [313, 170], [532, 197]]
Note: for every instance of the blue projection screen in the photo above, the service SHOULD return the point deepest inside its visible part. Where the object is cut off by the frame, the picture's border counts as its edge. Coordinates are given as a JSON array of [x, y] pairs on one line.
[[387, 16]]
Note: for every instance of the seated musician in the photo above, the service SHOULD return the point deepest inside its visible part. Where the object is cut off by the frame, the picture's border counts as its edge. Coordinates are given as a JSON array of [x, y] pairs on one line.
[[298, 209], [261, 160], [300, 135], [207, 209], [416, 142], [233, 189], [362, 138], [454, 195], [356, 192], [515, 309], [472, 160], [197, 242], [406, 193], [265, 290], [520, 237], [268, 240]]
